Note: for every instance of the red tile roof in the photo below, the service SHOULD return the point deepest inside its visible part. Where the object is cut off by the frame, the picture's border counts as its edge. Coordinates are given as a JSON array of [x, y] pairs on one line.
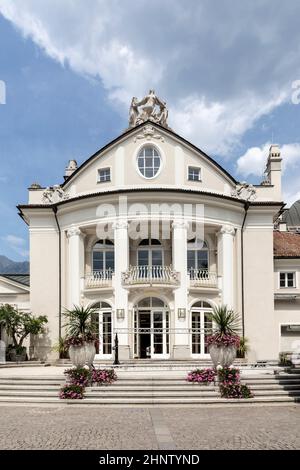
[[286, 244]]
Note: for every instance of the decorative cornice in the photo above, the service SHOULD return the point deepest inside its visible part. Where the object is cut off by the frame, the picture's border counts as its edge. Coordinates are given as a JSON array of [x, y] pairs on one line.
[[74, 232], [227, 229], [180, 224], [120, 224]]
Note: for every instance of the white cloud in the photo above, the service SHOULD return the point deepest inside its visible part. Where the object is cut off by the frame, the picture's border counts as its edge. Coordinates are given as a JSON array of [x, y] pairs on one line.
[[218, 80], [254, 160], [18, 244]]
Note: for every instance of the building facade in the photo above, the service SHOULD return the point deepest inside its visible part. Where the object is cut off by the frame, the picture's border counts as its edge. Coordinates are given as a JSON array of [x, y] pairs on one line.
[[154, 233]]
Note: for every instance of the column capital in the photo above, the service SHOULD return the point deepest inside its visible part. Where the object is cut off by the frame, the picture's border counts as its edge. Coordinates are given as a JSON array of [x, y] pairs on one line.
[[227, 229], [74, 231], [120, 224], [180, 223]]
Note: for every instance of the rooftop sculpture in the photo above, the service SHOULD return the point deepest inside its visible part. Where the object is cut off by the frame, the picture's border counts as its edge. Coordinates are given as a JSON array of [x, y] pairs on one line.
[[150, 108]]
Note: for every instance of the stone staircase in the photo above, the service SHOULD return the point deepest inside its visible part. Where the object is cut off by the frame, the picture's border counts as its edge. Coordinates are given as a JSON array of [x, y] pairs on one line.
[[152, 389]]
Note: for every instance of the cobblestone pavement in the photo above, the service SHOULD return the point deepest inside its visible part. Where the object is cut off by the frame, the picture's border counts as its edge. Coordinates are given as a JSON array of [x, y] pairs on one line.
[[272, 427]]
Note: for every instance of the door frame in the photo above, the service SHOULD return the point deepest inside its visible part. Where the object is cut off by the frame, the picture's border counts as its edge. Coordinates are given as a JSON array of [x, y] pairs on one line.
[[100, 355], [152, 310], [202, 311]]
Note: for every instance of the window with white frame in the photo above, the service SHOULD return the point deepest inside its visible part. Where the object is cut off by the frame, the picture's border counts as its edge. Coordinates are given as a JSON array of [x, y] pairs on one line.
[[149, 161], [287, 279], [103, 175], [194, 173]]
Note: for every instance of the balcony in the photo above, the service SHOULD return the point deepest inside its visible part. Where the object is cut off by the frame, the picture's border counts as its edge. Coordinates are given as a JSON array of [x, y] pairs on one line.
[[98, 279], [202, 278], [150, 275]]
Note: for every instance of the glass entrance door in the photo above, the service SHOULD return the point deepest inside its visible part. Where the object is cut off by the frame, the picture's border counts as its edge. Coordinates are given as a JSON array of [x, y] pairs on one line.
[[201, 329], [151, 337]]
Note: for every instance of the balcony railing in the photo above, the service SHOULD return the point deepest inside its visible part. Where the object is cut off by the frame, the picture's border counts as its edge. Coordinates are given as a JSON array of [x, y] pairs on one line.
[[99, 279], [202, 278], [150, 275]]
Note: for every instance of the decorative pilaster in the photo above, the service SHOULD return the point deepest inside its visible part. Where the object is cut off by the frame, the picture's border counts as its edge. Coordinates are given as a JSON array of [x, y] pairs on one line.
[[226, 260], [181, 348], [121, 242], [75, 265]]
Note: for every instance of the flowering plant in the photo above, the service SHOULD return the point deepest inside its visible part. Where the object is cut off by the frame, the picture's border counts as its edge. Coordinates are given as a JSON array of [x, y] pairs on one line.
[[71, 391], [90, 337], [74, 341], [223, 340], [78, 376], [229, 376], [201, 376], [235, 390], [103, 376]]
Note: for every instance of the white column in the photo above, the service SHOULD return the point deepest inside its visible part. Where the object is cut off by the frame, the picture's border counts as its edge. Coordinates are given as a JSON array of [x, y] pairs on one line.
[[225, 245], [76, 265], [121, 242], [181, 348]]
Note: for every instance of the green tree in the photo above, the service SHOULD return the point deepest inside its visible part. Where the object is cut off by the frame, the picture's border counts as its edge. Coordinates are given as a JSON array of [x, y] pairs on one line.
[[18, 325]]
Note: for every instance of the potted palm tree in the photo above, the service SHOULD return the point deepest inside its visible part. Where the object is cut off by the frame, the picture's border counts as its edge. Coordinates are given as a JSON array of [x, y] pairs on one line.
[[18, 326], [81, 337], [223, 343]]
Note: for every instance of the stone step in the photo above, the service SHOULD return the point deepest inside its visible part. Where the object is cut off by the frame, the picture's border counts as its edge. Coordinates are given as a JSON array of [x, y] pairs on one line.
[[136, 402]]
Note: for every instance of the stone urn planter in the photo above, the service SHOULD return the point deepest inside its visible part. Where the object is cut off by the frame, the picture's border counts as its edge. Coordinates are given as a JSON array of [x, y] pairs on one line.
[[222, 355], [77, 355], [90, 352]]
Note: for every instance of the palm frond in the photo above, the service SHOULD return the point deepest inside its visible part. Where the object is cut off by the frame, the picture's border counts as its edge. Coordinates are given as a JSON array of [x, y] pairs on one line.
[[79, 320], [227, 322]]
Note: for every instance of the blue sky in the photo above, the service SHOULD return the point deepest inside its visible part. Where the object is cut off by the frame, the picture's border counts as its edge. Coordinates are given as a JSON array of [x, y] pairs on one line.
[[71, 67]]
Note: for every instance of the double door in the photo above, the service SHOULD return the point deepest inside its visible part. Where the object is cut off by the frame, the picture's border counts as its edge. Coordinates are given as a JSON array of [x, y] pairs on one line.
[[152, 334]]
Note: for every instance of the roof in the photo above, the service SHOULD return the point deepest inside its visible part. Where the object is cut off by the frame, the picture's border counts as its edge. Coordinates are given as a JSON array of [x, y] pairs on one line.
[[286, 244], [164, 129], [292, 216], [23, 279]]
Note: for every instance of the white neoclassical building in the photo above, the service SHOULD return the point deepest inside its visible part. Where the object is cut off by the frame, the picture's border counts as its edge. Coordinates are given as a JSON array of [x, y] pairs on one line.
[[154, 233]]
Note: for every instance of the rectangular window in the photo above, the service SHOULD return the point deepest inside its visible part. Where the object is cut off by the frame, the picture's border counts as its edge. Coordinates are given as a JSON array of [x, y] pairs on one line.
[[287, 279], [104, 175], [194, 174]]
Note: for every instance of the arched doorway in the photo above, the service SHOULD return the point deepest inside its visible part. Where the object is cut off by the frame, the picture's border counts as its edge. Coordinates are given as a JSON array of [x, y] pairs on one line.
[[102, 320], [201, 327], [151, 329]]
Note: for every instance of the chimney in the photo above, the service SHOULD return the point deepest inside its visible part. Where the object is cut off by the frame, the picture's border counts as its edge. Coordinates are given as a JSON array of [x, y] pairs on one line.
[[273, 169], [72, 166]]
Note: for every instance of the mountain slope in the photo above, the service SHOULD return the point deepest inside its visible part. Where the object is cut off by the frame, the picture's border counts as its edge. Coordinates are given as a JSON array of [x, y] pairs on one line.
[[7, 266]]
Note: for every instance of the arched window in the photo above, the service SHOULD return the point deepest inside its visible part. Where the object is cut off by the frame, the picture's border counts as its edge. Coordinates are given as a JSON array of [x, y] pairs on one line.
[[103, 256], [197, 255], [150, 253]]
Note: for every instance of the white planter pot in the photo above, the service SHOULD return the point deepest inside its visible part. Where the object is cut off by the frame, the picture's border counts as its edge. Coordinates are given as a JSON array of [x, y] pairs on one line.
[[227, 355], [223, 355], [214, 352], [77, 355], [90, 352]]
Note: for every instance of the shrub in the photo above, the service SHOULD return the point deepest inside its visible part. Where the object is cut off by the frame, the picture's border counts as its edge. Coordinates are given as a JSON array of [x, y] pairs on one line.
[[78, 376], [229, 376], [73, 392], [103, 376], [201, 376], [235, 390]]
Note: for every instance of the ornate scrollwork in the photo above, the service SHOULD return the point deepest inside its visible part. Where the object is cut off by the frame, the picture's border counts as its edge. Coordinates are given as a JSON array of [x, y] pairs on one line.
[[54, 194], [244, 191]]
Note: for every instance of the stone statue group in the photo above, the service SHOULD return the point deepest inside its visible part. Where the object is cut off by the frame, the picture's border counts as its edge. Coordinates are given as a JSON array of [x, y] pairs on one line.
[[150, 108]]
